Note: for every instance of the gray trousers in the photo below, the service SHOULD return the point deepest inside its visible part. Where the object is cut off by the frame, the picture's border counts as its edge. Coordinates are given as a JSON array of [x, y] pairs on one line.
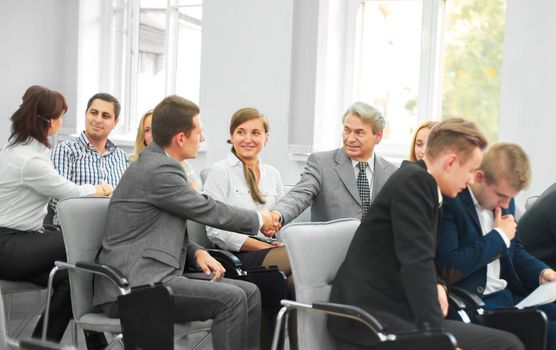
[[234, 306]]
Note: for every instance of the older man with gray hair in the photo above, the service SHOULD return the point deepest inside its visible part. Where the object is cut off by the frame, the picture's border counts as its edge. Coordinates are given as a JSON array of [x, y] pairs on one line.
[[341, 183]]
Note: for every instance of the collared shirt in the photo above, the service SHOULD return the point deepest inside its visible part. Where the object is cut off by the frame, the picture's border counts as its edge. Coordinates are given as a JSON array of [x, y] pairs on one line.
[[486, 218], [27, 181], [78, 161], [226, 183], [369, 169]]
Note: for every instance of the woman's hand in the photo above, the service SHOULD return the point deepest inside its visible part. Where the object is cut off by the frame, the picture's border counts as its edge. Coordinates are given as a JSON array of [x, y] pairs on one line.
[[103, 190]]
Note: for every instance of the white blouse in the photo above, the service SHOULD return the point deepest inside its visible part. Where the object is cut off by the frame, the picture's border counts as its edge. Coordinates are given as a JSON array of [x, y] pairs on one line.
[[225, 182], [27, 181]]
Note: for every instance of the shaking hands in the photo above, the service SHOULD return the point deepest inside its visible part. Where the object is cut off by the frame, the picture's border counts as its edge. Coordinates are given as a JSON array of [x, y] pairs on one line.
[[271, 222]]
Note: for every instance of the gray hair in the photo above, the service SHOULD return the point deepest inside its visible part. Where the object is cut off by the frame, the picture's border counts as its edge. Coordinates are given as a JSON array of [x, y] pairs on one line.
[[369, 114]]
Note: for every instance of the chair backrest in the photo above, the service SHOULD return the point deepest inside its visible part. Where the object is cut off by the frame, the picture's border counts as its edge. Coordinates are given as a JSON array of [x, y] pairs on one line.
[[316, 251], [3, 327], [198, 233], [83, 222]]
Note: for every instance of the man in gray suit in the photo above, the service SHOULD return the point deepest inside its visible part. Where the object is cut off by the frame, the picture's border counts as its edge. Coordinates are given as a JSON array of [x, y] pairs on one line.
[[333, 182], [146, 235]]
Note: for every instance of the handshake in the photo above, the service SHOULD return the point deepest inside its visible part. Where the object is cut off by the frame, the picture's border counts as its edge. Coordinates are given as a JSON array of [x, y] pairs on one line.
[[271, 222]]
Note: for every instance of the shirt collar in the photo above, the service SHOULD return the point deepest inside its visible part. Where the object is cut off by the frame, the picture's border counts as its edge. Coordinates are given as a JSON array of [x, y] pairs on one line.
[[474, 199], [110, 146], [233, 160], [370, 163]]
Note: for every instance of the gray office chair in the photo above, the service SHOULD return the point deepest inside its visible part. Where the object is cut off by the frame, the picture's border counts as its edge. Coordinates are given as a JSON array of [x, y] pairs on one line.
[[83, 221], [316, 251], [11, 289]]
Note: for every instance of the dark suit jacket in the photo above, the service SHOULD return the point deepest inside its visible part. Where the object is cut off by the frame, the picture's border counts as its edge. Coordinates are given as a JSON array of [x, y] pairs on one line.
[[389, 267], [329, 186], [146, 234], [463, 253], [537, 228]]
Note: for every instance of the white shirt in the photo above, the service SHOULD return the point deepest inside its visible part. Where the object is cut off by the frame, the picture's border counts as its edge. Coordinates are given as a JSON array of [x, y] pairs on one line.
[[27, 181], [225, 182], [369, 170], [486, 217]]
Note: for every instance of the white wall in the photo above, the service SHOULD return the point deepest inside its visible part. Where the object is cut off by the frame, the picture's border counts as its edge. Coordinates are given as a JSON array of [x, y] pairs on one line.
[[38, 46], [528, 108], [246, 62]]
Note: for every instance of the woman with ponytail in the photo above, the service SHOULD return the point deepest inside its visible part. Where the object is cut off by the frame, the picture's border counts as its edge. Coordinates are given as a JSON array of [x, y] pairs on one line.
[[243, 180]]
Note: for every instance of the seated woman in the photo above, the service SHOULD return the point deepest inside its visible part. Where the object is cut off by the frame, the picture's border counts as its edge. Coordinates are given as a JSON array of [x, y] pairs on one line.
[[243, 180], [419, 141], [144, 137], [27, 182]]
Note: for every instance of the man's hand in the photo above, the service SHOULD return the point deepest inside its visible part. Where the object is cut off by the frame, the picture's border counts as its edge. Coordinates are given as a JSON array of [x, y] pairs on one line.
[[548, 275], [505, 223], [442, 299], [269, 227], [209, 264]]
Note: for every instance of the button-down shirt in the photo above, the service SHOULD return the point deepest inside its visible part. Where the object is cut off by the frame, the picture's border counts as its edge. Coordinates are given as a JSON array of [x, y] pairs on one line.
[[27, 181], [78, 161], [486, 218], [226, 183]]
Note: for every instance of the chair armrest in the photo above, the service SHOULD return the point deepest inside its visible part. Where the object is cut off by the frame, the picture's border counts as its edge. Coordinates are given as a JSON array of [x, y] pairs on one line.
[[456, 302], [36, 344], [467, 297], [350, 311], [231, 263], [110, 272]]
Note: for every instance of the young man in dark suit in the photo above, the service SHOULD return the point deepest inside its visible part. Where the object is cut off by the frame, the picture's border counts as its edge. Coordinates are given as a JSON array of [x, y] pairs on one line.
[[389, 269], [477, 249]]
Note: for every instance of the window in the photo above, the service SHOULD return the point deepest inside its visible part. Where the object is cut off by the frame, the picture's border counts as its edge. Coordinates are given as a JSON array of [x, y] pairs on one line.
[[473, 51], [160, 54], [417, 60]]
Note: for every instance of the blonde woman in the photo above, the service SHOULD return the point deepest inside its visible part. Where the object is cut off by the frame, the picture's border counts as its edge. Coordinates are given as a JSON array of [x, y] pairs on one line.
[[419, 141], [144, 138]]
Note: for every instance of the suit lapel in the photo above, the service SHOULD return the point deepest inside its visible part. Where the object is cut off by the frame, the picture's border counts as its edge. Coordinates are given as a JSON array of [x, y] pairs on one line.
[[470, 209], [344, 169], [378, 175]]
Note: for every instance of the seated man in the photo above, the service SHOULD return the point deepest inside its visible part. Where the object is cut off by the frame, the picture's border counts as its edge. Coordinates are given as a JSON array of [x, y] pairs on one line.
[[389, 268], [91, 158], [146, 234], [537, 229], [476, 246], [333, 182]]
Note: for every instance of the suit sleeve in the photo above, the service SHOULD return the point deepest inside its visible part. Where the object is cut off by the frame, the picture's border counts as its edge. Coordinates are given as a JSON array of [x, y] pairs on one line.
[[456, 261], [528, 267], [171, 193], [301, 196], [414, 221]]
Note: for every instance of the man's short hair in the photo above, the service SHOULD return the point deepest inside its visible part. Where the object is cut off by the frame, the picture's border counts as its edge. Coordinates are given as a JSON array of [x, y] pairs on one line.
[[456, 134], [172, 115], [507, 161], [108, 98], [368, 114]]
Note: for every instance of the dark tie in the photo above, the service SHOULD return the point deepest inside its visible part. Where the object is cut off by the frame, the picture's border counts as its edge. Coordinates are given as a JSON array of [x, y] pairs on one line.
[[363, 187]]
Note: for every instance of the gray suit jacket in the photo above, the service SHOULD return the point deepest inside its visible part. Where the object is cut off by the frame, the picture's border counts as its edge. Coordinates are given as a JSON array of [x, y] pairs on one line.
[[329, 185], [146, 234]]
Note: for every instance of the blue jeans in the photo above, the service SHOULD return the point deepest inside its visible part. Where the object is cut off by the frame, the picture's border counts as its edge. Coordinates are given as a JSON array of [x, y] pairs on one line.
[[505, 298]]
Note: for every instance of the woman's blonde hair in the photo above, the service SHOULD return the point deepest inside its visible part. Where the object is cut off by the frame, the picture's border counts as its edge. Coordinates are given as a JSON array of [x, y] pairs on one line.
[[239, 117], [427, 124], [140, 138]]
